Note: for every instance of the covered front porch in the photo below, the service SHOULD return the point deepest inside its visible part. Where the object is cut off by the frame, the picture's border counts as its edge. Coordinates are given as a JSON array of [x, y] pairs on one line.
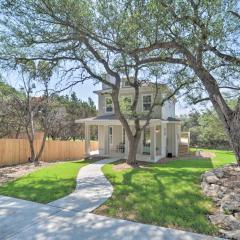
[[113, 140]]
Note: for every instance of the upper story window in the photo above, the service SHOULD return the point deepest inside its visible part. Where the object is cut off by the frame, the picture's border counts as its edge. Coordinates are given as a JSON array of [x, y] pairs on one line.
[[125, 103], [108, 105], [126, 83], [146, 102]]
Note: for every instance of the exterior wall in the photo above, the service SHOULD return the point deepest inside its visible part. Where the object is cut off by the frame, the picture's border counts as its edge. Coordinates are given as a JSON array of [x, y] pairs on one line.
[[168, 110], [157, 111], [117, 138], [178, 137], [101, 104], [173, 138], [167, 140], [171, 141], [101, 137]]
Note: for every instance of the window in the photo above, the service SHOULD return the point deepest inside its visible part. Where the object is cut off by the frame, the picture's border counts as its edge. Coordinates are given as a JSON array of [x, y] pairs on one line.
[[108, 104], [110, 135], [147, 102], [125, 103], [146, 141], [125, 83]]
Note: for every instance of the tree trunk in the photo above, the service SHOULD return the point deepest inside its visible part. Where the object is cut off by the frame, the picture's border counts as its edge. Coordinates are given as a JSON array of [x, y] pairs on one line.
[[133, 146], [41, 148], [234, 134], [230, 118], [132, 139], [32, 150]]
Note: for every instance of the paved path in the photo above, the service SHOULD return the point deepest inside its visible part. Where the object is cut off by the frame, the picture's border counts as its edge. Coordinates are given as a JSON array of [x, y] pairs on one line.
[[92, 189], [69, 218]]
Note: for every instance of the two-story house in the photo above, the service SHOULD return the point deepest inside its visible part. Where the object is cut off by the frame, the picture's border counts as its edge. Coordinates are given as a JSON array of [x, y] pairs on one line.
[[160, 138]]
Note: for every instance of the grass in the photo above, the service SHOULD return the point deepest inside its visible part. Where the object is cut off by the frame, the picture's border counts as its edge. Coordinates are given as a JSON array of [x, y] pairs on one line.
[[166, 195], [46, 184]]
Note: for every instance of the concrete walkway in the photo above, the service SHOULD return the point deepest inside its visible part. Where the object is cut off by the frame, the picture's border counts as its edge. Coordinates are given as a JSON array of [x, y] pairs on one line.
[[69, 218], [92, 189]]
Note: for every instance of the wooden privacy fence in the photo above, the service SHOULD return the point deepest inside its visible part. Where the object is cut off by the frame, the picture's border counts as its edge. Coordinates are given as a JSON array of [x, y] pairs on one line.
[[17, 151]]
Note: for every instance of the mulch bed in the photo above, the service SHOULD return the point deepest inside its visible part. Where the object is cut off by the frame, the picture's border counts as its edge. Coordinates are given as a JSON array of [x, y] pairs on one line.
[[12, 172], [205, 154]]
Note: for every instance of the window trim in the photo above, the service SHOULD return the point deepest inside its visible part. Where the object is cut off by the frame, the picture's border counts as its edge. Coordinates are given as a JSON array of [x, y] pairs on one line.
[[143, 95], [106, 105]]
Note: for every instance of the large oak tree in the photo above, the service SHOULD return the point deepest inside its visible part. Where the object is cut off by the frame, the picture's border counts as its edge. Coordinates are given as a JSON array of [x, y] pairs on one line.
[[86, 34], [195, 41]]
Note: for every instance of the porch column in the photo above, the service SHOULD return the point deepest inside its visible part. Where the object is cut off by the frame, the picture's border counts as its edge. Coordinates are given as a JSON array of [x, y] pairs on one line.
[[87, 139], [153, 142], [164, 139]]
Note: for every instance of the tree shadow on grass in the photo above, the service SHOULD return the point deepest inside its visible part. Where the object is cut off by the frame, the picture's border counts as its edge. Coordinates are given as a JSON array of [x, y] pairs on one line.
[[166, 195]]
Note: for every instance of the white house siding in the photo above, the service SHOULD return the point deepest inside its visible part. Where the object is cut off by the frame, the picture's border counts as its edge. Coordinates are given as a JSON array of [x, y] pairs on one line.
[[156, 111], [178, 136], [168, 110], [171, 143], [117, 137], [101, 139], [173, 137]]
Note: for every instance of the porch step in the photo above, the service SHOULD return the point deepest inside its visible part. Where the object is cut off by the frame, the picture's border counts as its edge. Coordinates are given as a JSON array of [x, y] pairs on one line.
[[183, 149]]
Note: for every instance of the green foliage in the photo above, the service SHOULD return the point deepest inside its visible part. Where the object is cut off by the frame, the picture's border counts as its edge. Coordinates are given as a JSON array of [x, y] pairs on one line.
[[164, 194], [46, 184], [211, 130], [7, 90], [72, 109], [125, 105], [206, 129]]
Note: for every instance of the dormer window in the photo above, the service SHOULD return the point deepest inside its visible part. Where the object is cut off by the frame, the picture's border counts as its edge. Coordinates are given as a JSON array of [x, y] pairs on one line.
[[146, 102], [108, 105]]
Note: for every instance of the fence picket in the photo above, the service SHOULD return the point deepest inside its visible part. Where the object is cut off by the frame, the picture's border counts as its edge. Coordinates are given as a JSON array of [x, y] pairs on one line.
[[15, 151]]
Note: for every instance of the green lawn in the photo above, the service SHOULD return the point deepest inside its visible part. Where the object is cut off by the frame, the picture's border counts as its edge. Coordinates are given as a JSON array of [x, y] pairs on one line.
[[164, 194], [46, 184]]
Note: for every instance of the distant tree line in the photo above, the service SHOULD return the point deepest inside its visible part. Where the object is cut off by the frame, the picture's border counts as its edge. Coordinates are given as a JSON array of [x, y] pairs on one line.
[[206, 129], [71, 108], [63, 111]]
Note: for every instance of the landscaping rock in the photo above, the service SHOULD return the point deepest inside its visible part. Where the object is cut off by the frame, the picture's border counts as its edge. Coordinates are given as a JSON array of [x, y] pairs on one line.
[[207, 174], [231, 234], [224, 221], [211, 190], [231, 202], [223, 186], [212, 179], [218, 172], [237, 215]]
